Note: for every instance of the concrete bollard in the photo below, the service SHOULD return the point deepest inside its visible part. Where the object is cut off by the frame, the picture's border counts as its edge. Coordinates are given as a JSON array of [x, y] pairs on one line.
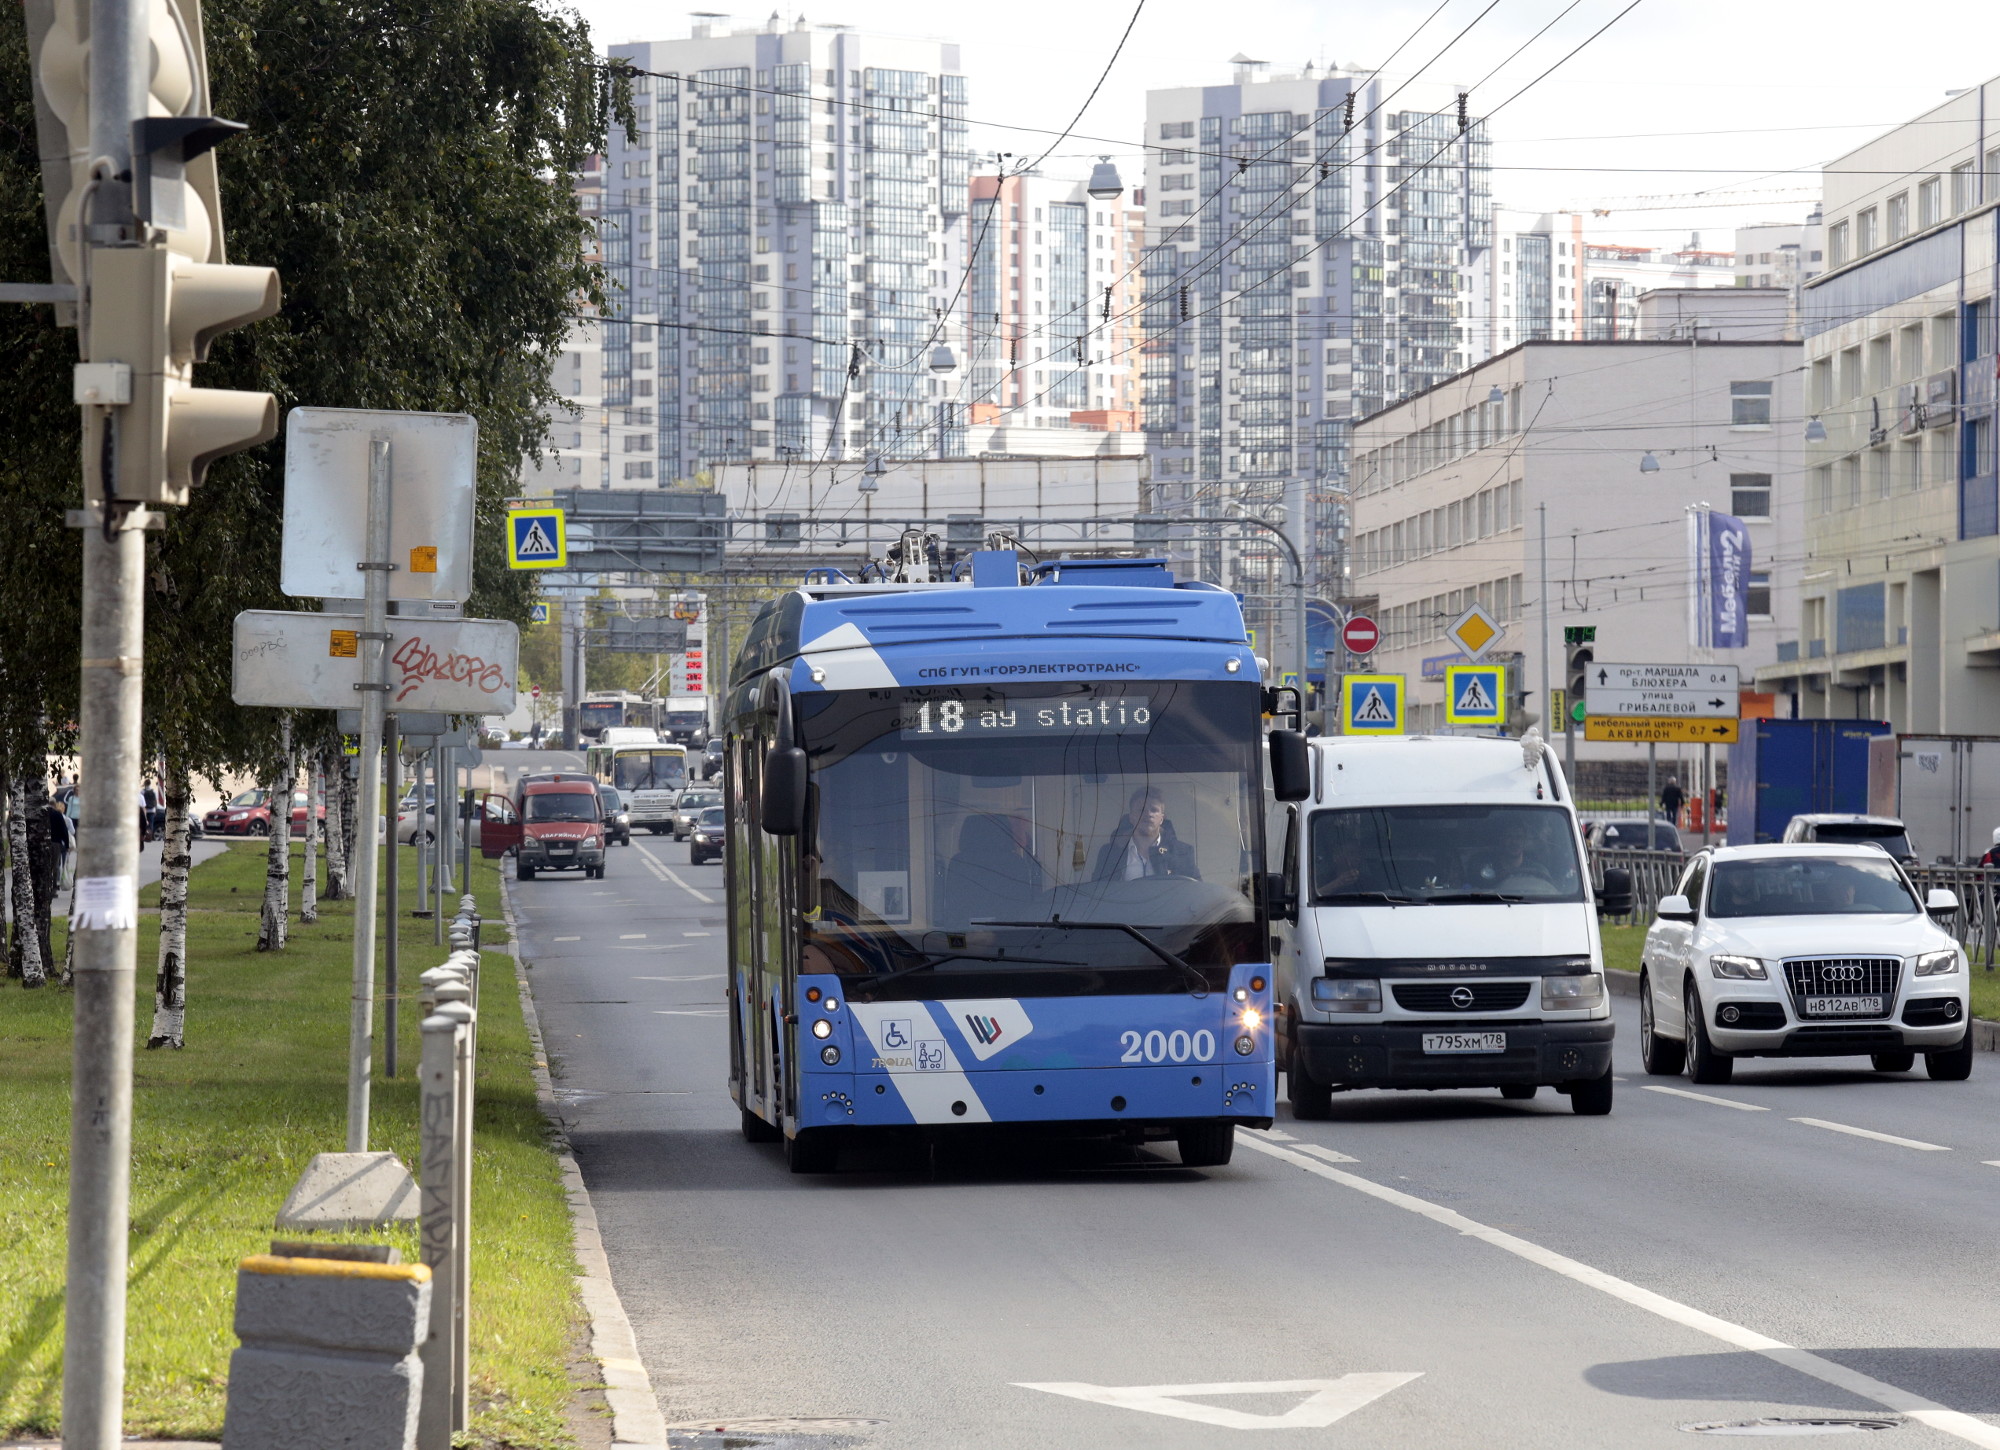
[[329, 1354]]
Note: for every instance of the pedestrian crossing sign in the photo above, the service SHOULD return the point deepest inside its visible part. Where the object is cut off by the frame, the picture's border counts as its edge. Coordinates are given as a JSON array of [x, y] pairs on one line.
[[1475, 695], [536, 539], [538, 614], [1371, 704]]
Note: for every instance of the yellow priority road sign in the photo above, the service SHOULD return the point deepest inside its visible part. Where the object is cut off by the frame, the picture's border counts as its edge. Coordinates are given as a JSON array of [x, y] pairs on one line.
[[536, 539], [1371, 704], [1660, 729], [1475, 694]]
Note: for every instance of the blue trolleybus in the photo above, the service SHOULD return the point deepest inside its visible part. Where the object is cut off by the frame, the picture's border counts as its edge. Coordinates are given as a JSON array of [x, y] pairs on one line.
[[996, 856]]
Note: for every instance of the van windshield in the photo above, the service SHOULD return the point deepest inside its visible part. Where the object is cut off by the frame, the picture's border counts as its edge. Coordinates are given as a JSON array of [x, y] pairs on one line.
[[568, 806], [1444, 855]]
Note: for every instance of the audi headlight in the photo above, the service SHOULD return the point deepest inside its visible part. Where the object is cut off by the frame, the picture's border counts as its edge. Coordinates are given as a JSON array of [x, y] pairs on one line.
[[1937, 964], [1347, 994], [1741, 969], [1572, 994]]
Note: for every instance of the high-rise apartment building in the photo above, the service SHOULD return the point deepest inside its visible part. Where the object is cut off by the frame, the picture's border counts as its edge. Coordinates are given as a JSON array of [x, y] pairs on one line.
[[1054, 316], [784, 234], [1311, 243]]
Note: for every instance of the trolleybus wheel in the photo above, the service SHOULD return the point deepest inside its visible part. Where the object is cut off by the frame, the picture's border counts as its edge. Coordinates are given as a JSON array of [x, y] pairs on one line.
[[811, 1150], [756, 1130], [1206, 1145]]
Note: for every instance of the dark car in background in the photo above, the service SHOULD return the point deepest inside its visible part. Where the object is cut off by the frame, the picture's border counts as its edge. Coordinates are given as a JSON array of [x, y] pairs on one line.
[[705, 841], [1632, 835], [617, 820]]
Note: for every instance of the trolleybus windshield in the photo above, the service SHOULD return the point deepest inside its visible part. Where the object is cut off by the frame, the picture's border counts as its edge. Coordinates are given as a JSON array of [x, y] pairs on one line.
[[999, 841], [648, 769]]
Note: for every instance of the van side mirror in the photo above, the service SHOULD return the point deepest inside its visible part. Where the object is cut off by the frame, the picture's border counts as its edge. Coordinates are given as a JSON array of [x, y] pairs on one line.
[[1674, 908], [1278, 899], [1291, 766], [783, 807], [1941, 902]]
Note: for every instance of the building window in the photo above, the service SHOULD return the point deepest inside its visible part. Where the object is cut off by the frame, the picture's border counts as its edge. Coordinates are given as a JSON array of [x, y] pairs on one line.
[[1867, 231], [1930, 201], [1750, 495], [1836, 242], [1758, 604], [1961, 187], [1750, 405], [1899, 216]]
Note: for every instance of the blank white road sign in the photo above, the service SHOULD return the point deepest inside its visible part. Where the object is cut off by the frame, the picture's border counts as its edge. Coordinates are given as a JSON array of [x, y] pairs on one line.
[[1678, 691], [313, 661], [433, 463]]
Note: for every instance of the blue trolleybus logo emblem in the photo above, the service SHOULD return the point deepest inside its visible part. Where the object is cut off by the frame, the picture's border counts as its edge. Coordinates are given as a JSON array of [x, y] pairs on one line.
[[986, 1029]]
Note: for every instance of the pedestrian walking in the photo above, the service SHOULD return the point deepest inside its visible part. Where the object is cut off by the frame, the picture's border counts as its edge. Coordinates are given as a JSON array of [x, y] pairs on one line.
[[1672, 798], [62, 838]]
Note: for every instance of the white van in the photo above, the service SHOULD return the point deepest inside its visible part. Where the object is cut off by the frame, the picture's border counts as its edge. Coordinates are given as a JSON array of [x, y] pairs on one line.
[[1436, 927]]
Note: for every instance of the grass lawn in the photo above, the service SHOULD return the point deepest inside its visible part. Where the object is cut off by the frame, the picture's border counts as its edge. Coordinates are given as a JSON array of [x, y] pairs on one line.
[[222, 1129]]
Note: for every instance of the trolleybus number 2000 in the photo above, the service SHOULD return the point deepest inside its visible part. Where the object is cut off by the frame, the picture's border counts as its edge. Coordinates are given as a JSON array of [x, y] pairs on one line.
[[1176, 1046]]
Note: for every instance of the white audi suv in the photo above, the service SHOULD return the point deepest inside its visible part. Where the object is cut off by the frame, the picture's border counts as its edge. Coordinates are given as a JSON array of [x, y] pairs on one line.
[[1802, 951]]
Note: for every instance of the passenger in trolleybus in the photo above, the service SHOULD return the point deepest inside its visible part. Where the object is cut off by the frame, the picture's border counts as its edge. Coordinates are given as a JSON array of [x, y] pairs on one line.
[[981, 842]]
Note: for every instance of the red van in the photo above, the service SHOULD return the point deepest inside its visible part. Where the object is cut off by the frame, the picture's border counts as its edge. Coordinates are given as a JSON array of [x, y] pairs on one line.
[[555, 824]]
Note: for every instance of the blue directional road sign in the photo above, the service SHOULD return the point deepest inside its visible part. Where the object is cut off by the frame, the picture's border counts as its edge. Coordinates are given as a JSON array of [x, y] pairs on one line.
[[1371, 704], [1475, 695]]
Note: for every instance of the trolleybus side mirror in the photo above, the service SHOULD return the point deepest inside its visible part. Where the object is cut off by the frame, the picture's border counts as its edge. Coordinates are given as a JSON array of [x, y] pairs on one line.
[[783, 809], [1291, 766]]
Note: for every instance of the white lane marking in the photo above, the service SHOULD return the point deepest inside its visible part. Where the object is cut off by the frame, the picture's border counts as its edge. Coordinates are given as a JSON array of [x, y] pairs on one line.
[[632, 936], [1990, 1162], [1325, 1400], [666, 873], [697, 933], [1929, 1412], [701, 977], [1276, 1135], [678, 1012], [1653, 1087], [1327, 1153], [1920, 1146], [569, 938]]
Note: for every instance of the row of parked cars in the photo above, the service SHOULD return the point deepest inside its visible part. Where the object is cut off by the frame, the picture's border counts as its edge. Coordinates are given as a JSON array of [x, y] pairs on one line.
[[1884, 832]]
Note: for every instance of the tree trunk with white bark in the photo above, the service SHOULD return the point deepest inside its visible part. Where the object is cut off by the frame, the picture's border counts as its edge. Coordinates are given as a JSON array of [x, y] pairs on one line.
[[278, 861], [25, 950], [334, 774], [176, 861], [308, 859]]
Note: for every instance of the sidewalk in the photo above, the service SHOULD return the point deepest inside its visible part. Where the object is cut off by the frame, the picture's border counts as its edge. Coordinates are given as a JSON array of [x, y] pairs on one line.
[[149, 871]]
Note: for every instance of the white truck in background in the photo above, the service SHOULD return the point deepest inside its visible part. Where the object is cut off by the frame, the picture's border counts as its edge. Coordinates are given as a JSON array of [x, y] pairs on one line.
[[1945, 789], [1435, 925]]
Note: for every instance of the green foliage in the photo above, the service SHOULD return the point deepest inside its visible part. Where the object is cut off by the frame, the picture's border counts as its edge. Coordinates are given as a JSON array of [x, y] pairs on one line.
[[406, 172]]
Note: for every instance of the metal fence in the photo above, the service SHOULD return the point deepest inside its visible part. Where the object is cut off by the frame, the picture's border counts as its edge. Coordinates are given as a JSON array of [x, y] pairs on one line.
[[1976, 923]]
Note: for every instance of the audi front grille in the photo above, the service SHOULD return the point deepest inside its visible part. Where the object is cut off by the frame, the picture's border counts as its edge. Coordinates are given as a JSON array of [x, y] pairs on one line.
[[1843, 977]]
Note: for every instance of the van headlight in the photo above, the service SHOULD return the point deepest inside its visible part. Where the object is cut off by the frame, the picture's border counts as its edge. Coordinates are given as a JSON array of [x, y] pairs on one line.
[[1739, 969], [1573, 993], [1347, 994], [1937, 964]]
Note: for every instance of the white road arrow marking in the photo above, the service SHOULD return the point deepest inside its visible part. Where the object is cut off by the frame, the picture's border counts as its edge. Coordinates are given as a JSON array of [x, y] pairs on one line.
[[1325, 1400]]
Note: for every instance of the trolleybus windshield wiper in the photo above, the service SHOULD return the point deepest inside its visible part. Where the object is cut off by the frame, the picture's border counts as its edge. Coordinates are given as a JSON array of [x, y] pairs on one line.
[[933, 959], [1179, 964]]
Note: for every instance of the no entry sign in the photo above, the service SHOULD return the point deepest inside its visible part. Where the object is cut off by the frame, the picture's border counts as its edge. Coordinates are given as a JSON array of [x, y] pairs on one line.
[[1360, 635]]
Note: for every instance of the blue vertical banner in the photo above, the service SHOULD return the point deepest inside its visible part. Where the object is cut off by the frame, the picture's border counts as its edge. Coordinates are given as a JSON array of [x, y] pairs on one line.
[[1723, 563]]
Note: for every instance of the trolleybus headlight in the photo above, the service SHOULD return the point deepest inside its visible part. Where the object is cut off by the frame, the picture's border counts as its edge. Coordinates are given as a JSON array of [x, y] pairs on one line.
[[822, 1028], [1245, 1045], [833, 1004], [829, 1054], [1252, 1018]]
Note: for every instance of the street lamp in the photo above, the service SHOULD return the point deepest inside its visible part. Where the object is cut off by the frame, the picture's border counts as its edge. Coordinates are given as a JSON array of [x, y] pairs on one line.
[[1815, 430], [1494, 395], [1104, 184], [1649, 464], [871, 476], [941, 359]]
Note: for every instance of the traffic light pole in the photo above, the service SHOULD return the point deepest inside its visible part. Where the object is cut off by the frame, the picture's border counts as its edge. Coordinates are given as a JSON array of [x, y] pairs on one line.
[[105, 917]]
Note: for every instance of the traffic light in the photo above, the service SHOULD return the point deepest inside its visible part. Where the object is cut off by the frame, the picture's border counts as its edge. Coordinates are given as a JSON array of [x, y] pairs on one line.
[[1580, 650], [152, 287]]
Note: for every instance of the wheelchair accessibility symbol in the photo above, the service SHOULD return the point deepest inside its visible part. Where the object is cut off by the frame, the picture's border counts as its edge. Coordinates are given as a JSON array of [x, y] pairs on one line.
[[896, 1034]]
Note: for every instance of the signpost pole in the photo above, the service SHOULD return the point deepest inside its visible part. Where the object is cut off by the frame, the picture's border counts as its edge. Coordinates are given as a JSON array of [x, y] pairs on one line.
[[394, 903], [374, 688], [1652, 787], [440, 847]]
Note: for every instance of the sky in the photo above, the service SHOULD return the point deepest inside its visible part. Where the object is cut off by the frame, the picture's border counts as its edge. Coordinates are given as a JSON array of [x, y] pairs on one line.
[[1684, 115]]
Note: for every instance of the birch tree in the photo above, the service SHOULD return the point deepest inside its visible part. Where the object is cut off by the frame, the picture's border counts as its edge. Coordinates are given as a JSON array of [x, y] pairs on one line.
[[308, 862], [333, 772], [25, 950], [176, 861], [278, 860]]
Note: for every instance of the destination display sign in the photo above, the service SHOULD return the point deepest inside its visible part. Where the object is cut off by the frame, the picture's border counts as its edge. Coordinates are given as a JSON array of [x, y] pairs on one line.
[[1681, 691], [994, 716]]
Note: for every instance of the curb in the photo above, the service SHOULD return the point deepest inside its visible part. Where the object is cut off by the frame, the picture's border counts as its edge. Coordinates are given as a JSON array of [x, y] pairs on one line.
[[1985, 1032], [636, 1421]]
